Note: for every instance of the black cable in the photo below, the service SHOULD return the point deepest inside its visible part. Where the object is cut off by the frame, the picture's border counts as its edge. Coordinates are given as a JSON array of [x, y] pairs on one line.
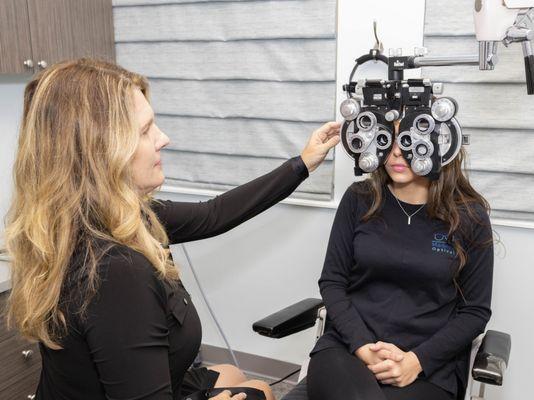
[[284, 378], [529, 71]]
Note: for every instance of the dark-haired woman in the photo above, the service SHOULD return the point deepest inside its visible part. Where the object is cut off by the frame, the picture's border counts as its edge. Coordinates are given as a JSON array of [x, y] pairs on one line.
[[407, 283]]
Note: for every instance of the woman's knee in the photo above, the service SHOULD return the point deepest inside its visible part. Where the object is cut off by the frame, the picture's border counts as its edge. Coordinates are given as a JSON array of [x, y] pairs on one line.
[[229, 375], [261, 385]]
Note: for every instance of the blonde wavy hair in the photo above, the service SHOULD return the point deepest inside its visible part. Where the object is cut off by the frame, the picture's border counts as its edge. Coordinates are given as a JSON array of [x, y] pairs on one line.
[[73, 189]]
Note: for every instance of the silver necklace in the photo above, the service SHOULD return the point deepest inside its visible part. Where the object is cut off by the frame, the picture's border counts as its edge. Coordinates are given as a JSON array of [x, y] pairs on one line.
[[404, 211]]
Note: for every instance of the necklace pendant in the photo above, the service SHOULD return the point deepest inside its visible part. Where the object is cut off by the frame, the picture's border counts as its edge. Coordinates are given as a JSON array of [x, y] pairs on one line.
[[409, 219]]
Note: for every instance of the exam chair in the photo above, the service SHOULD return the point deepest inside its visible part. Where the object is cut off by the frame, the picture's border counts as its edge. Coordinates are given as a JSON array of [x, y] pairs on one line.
[[489, 353]]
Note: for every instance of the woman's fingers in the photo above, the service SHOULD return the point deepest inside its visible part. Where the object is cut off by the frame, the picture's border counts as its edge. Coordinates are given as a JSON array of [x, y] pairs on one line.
[[227, 395], [331, 126], [386, 370], [331, 142], [385, 346], [326, 131], [321, 141], [383, 366], [324, 135], [387, 375], [388, 354]]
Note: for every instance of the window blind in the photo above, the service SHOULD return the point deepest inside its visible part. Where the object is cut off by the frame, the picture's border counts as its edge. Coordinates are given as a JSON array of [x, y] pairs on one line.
[[238, 86], [494, 109]]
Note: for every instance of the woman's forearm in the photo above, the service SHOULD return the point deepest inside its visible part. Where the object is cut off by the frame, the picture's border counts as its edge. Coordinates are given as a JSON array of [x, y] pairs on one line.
[[193, 221]]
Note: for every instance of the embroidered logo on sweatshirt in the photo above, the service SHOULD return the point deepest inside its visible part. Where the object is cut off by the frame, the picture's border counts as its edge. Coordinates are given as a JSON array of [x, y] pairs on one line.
[[440, 244]]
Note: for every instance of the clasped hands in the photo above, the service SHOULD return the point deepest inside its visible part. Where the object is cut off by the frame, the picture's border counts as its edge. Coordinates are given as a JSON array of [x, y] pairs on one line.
[[389, 364]]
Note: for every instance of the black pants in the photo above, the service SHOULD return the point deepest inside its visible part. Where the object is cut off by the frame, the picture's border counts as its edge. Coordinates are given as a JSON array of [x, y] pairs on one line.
[[335, 374]]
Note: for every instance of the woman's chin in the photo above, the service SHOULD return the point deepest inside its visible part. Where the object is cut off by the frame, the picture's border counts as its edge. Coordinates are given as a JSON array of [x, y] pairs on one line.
[[401, 177], [160, 182], [147, 187]]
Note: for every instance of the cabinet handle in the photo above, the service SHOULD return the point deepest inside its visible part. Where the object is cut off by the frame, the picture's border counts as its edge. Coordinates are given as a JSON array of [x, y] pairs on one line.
[[28, 63], [27, 354], [42, 64], [31, 396]]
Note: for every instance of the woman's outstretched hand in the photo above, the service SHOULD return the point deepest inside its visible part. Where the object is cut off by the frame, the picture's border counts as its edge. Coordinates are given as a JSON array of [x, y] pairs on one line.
[[227, 395], [321, 141], [396, 373]]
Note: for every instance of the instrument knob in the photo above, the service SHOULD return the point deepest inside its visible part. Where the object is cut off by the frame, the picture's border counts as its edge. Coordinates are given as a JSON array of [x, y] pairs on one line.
[[368, 162]]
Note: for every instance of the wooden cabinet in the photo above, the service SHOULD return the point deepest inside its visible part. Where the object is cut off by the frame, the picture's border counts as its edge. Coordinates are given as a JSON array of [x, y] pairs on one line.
[[37, 33], [20, 362], [15, 43]]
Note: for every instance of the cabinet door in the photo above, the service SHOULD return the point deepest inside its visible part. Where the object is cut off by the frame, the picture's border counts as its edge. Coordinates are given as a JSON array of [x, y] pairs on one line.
[[65, 29], [15, 44], [20, 362]]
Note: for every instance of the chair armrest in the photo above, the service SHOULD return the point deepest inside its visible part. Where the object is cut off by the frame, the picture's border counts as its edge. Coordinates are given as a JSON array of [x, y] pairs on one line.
[[492, 358], [292, 319]]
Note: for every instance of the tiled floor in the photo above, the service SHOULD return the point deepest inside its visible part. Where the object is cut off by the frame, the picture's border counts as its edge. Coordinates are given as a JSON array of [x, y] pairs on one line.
[[281, 389]]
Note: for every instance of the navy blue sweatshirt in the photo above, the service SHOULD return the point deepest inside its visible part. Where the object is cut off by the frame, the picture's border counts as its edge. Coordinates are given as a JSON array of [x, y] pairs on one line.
[[386, 280]]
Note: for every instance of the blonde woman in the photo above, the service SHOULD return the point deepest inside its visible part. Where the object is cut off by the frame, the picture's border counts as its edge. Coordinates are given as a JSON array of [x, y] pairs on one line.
[[92, 278]]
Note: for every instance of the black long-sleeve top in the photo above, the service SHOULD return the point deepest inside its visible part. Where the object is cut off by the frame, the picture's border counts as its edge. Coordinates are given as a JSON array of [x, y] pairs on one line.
[[140, 334], [386, 280]]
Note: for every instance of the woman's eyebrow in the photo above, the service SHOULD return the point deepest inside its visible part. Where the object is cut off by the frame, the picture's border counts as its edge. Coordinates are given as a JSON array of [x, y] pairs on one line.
[[147, 125]]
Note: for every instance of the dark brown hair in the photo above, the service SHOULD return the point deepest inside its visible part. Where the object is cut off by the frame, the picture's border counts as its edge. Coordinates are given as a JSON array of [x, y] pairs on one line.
[[451, 199]]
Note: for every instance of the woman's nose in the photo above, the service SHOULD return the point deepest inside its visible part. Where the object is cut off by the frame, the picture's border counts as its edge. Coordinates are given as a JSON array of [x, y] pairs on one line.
[[163, 140], [396, 149]]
